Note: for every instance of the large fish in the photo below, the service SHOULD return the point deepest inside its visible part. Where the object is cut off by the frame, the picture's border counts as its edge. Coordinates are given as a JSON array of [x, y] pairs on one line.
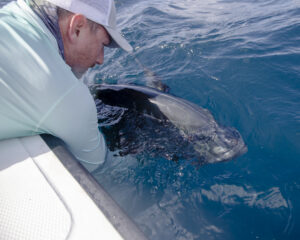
[[138, 119]]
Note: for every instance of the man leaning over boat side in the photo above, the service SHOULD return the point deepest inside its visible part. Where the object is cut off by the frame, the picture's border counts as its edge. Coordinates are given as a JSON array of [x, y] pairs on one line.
[[45, 46]]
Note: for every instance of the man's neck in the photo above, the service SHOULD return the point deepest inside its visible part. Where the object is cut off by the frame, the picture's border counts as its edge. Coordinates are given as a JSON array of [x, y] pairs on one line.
[[47, 12]]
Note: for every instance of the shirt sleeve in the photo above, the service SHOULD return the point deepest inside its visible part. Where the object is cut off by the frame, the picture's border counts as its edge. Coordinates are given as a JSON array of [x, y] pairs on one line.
[[73, 118], [38, 91]]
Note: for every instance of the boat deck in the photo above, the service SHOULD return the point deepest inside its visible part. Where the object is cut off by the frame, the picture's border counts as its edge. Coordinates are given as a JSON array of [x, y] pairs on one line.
[[46, 194]]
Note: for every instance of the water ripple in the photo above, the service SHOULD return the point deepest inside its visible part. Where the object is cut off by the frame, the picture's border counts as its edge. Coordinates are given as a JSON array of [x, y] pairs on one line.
[[233, 195]]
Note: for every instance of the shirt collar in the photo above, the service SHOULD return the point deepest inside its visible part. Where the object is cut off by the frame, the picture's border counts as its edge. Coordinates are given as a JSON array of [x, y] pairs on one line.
[[47, 12]]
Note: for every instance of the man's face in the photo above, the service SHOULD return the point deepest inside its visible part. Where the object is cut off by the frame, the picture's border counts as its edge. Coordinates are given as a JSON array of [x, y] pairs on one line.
[[88, 50]]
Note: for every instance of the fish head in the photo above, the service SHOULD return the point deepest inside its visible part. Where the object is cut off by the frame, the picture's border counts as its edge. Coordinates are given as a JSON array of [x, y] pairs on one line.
[[228, 144], [219, 144]]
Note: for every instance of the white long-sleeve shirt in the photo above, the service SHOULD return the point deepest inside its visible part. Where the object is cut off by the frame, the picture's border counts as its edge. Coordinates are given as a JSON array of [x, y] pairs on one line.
[[38, 91]]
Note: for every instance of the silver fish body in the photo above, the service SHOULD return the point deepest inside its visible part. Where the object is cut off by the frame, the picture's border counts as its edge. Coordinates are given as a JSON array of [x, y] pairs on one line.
[[195, 125]]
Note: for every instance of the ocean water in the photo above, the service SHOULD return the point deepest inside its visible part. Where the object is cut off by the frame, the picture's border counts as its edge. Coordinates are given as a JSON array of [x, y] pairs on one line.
[[241, 61]]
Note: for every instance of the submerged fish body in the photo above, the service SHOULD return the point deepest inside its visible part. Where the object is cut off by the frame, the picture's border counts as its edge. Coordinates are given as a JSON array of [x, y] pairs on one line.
[[135, 118]]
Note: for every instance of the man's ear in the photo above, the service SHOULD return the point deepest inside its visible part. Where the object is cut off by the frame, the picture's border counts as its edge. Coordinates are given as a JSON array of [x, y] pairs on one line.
[[76, 25]]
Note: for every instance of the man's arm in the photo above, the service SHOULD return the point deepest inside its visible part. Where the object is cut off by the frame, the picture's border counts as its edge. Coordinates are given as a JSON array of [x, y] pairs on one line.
[[74, 120]]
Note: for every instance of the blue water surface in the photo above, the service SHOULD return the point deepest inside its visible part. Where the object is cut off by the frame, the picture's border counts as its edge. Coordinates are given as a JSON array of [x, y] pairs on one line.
[[240, 60]]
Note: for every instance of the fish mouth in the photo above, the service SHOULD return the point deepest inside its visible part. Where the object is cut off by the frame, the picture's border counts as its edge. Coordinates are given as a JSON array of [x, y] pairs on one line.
[[222, 154]]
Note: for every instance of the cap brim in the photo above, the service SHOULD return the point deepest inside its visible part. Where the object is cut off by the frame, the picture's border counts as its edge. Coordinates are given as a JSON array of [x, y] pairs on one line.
[[119, 40]]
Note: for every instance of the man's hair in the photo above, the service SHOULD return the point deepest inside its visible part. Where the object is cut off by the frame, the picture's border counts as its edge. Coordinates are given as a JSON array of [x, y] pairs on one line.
[[62, 14]]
